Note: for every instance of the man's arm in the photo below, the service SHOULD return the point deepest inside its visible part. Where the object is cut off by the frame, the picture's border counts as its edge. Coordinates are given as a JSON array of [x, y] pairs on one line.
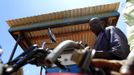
[[108, 64], [119, 43]]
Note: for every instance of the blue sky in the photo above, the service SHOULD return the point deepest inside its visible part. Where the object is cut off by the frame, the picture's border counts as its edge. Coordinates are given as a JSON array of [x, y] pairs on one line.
[[11, 9]]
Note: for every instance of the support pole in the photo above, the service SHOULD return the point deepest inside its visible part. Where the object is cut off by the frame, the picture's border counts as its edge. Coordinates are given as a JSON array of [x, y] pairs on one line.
[[14, 49]]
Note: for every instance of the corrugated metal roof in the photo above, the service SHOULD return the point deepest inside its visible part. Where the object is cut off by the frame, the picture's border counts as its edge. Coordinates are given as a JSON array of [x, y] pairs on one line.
[[66, 25], [64, 14]]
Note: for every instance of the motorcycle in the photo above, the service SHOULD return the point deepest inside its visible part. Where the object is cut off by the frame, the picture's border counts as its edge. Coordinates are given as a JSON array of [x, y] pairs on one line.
[[46, 58]]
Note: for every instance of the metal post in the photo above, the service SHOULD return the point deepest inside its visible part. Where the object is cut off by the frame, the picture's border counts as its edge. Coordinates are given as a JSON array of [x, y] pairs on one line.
[[14, 49]]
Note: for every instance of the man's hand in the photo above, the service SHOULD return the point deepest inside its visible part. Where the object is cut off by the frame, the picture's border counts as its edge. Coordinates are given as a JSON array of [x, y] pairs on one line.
[[114, 65]]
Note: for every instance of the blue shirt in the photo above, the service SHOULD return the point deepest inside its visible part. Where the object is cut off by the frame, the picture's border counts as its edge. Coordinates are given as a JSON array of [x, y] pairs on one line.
[[111, 44]]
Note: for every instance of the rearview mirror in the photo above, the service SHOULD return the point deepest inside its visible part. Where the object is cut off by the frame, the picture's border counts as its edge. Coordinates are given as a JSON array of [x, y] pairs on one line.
[[51, 36]]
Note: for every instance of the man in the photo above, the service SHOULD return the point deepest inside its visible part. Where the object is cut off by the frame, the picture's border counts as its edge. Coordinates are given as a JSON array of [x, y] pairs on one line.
[[126, 67], [111, 42]]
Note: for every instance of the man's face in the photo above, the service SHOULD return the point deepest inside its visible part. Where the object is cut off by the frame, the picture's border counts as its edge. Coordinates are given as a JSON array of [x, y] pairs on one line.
[[95, 26]]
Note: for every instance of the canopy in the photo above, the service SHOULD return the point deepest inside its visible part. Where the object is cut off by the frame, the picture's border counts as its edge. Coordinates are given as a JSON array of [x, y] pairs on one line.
[[66, 25]]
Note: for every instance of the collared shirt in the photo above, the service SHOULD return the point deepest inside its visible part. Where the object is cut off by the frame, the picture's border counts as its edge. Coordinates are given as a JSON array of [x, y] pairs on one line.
[[112, 44]]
